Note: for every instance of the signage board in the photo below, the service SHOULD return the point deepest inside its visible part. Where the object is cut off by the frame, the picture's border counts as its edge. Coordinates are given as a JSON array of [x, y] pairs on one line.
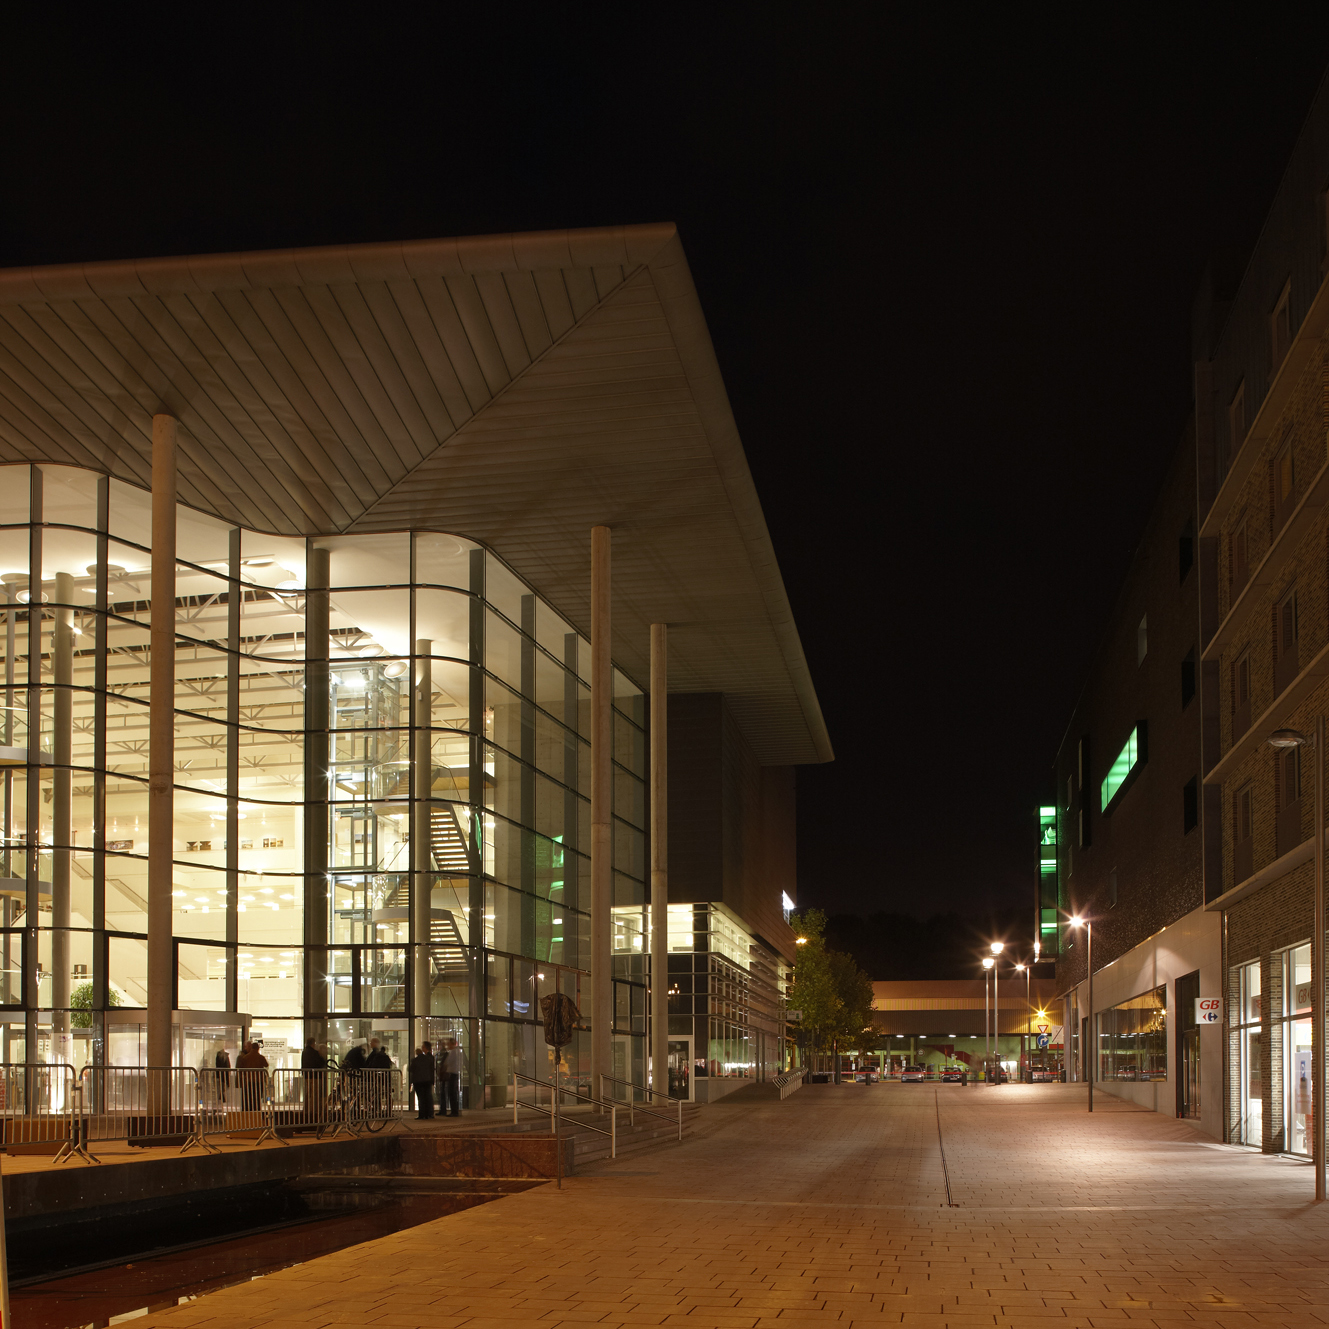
[[1303, 995], [274, 1044], [793, 1015], [1208, 1010], [1042, 1041]]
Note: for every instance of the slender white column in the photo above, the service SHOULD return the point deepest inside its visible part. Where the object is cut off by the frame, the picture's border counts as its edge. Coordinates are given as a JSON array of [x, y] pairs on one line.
[[602, 792], [62, 813], [161, 744], [422, 836], [660, 858]]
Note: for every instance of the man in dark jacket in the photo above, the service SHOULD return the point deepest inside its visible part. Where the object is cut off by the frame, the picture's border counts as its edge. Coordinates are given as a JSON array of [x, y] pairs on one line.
[[315, 1067], [378, 1088], [355, 1059], [422, 1081]]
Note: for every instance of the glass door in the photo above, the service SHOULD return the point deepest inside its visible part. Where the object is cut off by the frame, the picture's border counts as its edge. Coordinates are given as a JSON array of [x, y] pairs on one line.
[[1298, 1110], [680, 1068]]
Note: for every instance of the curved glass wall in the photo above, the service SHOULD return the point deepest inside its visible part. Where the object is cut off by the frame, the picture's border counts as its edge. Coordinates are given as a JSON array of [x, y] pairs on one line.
[[358, 718]]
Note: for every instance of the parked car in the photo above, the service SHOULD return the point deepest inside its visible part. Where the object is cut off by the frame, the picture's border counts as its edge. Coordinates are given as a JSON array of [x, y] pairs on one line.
[[953, 1075], [913, 1073]]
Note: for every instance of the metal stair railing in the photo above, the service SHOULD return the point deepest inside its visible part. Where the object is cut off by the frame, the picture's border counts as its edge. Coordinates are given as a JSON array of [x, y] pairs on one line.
[[787, 1081], [641, 1089], [556, 1096]]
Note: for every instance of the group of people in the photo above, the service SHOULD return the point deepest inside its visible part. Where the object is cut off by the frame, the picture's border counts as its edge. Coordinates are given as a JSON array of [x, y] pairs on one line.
[[425, 1069]]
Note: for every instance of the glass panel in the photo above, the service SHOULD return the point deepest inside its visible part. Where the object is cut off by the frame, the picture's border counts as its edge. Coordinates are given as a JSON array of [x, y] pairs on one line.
[[131, 513], [200, 538], [128, 970], [201, 981], [1121, 768], [629, 698], [73, 553], [383, 980], [69, 496], [1133, 1038], [1297, 1080], [1249, 989], [502, 589], [443, 560], [444, 618], [1297, 971], [202, 611], [272, 560], [498, 990], [503, 651], [270, 980], [366, 624], [1252, 1088], [15, 491], [368, 560]]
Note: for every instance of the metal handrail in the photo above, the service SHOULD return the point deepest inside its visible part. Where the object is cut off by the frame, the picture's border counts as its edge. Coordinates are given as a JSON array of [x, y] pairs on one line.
[[787, 1081], [557, 1092], [650, 1112]]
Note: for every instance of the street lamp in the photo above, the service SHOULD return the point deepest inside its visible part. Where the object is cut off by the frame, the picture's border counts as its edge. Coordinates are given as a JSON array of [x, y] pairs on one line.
[[997, 948], [1293, 738], [988, 964], [1076, 921], [1024, 969]]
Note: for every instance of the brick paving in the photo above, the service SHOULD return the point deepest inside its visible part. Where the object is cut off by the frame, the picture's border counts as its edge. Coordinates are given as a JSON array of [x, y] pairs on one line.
[[830, 1209]]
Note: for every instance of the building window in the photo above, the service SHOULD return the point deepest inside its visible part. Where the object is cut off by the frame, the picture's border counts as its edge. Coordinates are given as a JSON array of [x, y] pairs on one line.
[[1142, 640], [1132, 1038], [1244, 1013], [1239, 567], [787, 906], [1186, 550], [1286, 659], [1125, 766], [1190, 805], [1243, 837], [1112, 889], [1241, 695], [1283, 485], [1236, 420], [1188, 679], [1287, 791], [1280, 327]]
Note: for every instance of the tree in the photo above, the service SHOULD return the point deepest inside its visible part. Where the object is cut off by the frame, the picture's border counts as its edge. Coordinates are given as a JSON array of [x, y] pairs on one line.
[[81, 1001], [833, 993]]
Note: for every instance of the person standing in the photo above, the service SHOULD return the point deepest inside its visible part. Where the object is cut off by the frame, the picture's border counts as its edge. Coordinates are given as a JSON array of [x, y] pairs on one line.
[[378, 1085], [315, 1067], [222, 1063], [450, 1079], [251, 1071], [422, 1081]]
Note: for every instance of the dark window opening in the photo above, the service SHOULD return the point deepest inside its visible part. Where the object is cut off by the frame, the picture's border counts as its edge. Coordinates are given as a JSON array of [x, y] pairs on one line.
[[1190, 805], [1112, 889], [1286, 633], [1186, 550], [1188, 679]]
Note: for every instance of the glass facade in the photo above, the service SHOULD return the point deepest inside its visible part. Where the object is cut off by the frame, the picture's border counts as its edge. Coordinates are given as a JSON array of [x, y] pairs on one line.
[[357, 719], [1292, 1035], [1246, 1003], [1132, 1038]]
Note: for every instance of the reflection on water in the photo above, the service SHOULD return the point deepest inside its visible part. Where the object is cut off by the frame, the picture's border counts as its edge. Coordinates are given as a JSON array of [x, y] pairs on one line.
[[155, 1282]]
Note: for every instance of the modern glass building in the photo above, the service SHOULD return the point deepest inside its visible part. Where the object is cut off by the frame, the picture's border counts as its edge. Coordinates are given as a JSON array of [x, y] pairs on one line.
[[382, 735]]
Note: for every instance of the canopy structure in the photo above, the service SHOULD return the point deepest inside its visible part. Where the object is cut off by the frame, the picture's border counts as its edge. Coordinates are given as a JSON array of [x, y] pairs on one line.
[[515, 389]]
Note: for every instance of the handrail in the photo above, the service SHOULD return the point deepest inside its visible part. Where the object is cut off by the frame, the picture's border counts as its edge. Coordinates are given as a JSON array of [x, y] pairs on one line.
[[650, 1112], [787, 1081], [552, 1112]]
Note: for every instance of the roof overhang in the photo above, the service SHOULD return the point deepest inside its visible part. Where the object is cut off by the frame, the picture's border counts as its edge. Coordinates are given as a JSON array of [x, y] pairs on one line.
[[515, 389]]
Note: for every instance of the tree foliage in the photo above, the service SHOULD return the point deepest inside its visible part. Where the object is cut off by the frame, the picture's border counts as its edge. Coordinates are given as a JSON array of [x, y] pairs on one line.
[[834, 995], [81, 1000]]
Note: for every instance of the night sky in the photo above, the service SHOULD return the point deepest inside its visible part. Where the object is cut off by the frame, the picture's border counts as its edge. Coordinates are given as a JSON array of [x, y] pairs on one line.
[[947, 265]]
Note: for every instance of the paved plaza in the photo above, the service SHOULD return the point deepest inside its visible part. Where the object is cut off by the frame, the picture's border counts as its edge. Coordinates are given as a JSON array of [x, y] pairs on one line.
[[832, 1208]]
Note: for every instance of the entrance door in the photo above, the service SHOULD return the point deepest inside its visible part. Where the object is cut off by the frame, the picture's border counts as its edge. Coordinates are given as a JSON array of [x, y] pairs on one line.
[[680, 1068], [1188, 1046]]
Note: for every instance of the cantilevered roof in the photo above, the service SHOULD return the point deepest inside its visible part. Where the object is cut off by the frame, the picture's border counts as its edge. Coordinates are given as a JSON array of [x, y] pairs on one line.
[[516, 389]]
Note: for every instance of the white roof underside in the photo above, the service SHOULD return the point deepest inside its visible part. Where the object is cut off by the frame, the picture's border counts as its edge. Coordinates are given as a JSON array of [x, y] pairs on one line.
[[516, 389]]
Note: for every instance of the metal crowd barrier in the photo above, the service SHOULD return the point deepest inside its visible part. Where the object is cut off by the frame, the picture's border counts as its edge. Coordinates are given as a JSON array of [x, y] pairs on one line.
[[787, 1081], [41, 1103]]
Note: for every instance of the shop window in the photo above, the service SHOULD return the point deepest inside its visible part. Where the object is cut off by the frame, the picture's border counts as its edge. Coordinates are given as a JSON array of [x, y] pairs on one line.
[[1292, 1036], [1286, 657], [1188, 679], [1241, 695], [1243, 837], [1245, 994], [1287, 790], [1283, 485], [1190, 805], [1132, 1038]]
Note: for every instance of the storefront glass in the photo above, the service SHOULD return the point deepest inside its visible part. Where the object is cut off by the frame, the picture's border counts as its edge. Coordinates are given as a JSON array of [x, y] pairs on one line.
[[1248, 1036], [1132, 1038], [357, 719], [1294, 1033]]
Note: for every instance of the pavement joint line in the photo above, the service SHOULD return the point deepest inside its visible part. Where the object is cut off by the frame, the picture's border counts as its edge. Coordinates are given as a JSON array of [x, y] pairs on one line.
[[1187, 1207]]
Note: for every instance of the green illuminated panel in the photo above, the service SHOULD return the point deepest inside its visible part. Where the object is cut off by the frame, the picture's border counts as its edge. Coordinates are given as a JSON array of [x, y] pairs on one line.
[[1122, 767]]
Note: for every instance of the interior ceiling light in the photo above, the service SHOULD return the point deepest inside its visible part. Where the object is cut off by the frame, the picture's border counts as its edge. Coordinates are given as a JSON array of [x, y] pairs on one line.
[[395, 670], [365, 652]]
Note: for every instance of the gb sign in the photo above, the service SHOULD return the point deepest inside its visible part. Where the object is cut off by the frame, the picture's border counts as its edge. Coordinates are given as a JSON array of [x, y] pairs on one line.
[[1208, 1010]]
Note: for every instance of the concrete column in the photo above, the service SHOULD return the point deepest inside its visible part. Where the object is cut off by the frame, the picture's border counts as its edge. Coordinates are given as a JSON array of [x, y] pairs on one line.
[[602, 797], [659, 858], [62, 813], [422, 837], [161, 746]]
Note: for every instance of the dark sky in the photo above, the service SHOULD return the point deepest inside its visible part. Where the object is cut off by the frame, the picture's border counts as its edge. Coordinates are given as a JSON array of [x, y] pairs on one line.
[[947, 264]]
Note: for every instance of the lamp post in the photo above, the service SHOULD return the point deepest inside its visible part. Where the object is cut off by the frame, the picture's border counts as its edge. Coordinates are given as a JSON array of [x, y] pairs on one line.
[[988, 965], [997, 948], [1293, 738], [1028, 1010], [1078, 922]]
